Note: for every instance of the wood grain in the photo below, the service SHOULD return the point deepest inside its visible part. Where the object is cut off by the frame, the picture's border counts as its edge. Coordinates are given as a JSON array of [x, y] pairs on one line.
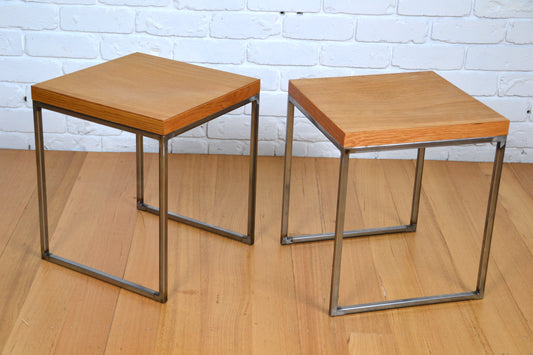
[[395, 108], [145, 92], [20, 258], [227, 297]]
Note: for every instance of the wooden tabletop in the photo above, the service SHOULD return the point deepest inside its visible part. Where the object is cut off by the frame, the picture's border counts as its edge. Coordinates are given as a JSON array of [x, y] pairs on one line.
[[145, 92], [395, 108]]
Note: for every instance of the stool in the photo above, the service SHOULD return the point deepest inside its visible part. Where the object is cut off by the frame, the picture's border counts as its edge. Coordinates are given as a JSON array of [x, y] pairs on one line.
[[151, 97], [389, 112]]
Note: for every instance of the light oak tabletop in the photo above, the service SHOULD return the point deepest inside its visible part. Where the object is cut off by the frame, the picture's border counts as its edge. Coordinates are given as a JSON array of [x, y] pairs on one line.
[[145, 92], [399, 108]]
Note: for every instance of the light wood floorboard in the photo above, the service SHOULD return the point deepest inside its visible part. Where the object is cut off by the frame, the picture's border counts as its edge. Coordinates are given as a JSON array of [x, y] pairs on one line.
[[226, 297]]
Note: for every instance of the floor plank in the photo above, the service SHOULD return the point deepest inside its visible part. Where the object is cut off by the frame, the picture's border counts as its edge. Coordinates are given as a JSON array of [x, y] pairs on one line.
[[228, 297], [20, 260]]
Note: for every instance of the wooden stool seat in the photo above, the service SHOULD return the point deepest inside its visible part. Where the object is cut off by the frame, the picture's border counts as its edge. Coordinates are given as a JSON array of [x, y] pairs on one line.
[[394, 109], [149, 93], [388, 112], [150, 97]]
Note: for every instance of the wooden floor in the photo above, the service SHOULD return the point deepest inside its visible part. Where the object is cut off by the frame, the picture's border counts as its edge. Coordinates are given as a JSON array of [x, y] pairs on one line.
[[226, 297]]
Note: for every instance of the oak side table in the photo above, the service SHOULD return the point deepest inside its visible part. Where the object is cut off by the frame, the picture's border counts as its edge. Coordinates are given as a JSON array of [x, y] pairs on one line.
[[390, 112], [150, 97]]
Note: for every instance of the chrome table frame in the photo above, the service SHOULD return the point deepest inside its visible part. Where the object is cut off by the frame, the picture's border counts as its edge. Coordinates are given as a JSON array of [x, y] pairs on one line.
[[162, 294], [340, 233]]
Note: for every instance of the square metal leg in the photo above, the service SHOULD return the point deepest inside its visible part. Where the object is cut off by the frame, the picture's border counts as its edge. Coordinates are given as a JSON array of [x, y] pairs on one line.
[[245, 238], [162, 211], [336, 310], [340, 234], [287, 174], [160, 295]]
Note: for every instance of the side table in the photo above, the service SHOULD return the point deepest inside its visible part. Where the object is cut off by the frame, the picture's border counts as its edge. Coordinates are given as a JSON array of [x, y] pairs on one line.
[[150, 97], [391, 112]]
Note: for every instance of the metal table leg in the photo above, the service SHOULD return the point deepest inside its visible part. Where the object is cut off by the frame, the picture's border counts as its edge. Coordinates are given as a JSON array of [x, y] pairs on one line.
[[247, 238], [340, 234], [252, 183], [163, 219], [339, 229], [41, 180], [489, 220], [160, 295], [139, 160], [418, 187], [336, 310], [287, 173], [286, 239], [162, 211]]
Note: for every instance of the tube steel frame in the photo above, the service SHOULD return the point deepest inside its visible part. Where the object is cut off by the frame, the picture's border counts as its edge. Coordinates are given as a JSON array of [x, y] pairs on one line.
[[340, 234], [162, 294]]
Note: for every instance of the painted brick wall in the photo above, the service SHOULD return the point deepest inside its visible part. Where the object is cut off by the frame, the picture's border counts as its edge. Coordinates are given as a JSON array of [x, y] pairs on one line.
[[483, 46]]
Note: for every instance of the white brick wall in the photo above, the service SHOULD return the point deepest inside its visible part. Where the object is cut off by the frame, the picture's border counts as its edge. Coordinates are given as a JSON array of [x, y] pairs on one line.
[[11, 95], [230, 25], [336, 28], [220, 51], [516, 85], [404, 30], [66, 45], [284, 5], [220, 5], [520, 32], [28, 16], [434, 7], [503, 8], [485, 47], [360, 7], [468, 31], [428, 57], [10, 42], [172, 23], [135, 2], [356, 56], [28, 70], [500, 58], [97, 19], [114, 46], [283, 53]]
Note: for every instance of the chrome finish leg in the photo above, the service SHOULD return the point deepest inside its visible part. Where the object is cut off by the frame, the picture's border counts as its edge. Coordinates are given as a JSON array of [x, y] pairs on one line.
[[489, 220], [418, 187], [163, 219], [139, 155], [254, 131], [339, 228], [41, 180], [287, 174]]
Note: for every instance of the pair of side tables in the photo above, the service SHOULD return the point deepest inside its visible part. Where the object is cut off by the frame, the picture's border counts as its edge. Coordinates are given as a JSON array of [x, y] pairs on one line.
[[161, 98]]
